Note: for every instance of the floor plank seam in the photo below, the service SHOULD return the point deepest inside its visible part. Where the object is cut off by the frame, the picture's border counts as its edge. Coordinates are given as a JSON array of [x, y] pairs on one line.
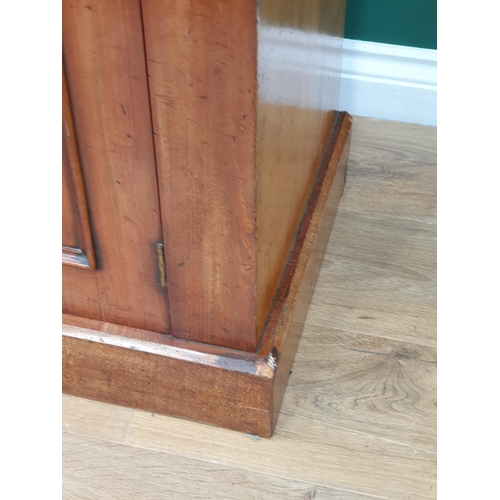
[[105, 440], [381, 217], [355, 332], [230, 466], [377, 353], [358, 432], [127, 426]]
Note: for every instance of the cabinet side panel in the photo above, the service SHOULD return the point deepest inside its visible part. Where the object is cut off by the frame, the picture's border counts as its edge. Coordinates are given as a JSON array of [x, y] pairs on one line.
[[299, 64], [201, 58]]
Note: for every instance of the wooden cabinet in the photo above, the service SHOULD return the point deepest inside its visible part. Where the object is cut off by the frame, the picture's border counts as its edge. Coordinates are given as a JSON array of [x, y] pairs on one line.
[[203, 161]]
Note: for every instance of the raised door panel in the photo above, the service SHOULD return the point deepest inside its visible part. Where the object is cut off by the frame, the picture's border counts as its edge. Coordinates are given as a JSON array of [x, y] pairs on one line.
[[108, 98], [77, 244]]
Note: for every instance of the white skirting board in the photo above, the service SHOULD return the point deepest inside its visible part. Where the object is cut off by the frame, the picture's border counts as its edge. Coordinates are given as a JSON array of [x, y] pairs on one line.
[[390, 82]]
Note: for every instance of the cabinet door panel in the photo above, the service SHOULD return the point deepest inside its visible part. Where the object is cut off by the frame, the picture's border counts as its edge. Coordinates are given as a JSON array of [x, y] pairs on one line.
[[113, 142], [77, 245], [201, 62]]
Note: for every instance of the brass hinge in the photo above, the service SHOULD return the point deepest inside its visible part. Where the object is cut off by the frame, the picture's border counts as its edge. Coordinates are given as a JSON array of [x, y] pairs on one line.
[[161, 265]]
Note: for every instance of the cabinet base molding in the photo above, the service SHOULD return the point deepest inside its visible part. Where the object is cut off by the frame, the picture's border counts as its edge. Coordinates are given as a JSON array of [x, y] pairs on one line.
[[219, 386]]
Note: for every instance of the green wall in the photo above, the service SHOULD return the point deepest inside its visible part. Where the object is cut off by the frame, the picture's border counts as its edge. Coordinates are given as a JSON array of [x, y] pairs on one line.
[[400, 22]]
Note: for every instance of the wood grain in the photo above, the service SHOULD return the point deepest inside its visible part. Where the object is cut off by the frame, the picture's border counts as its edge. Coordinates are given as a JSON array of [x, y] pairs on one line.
[[77, 240], [388, 293], [365, 383], [235, 167], [380, 279], [296, 289], [202, 68], [158, 383], [99, 470], [107, 84], [101, 420], [301, 450], [77, 326], [135, 371], [359, 410], [393, 178], [299, 58]]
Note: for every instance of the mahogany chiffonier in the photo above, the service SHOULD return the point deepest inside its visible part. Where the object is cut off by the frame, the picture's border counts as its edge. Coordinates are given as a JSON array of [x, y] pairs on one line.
[[204, 158]]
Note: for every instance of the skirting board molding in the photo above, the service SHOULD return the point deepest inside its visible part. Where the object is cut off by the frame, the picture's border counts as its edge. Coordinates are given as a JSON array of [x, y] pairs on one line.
[[390, 82]]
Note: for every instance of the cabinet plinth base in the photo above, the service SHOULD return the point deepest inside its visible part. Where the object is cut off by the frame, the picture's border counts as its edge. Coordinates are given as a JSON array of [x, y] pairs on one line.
[[233, 389]]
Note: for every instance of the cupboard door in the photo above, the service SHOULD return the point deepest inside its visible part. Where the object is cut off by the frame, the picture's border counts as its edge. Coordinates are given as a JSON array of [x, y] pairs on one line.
[[111, 210], [202, 67]]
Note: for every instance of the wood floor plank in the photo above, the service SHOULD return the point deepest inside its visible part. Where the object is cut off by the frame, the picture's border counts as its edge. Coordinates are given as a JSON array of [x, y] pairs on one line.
[[394, 201], [378, 278], [392, 170], [367, 384], [302, 450], [97, 469], [403, 248], [94, 418], [394, 147], [369, 292], [357, 284], [413, 327]]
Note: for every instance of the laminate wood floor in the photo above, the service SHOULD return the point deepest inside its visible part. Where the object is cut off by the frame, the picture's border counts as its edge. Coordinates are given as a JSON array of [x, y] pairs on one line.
[[358, 421]]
